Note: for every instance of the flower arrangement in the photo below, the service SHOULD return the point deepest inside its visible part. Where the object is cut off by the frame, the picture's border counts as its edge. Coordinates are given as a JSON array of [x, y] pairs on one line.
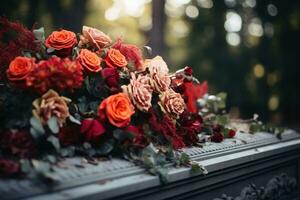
[[86, 95]]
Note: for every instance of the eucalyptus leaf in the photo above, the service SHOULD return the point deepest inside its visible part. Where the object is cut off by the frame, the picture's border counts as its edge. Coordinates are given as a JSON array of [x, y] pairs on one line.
[[39, 34], [53, 125], [105, 148], [40, 166], [67, 152], [184, 159], [54, 141], [37, 126], [121, 135], [74, 120], [50, 50], [163, 175], [25, 166]]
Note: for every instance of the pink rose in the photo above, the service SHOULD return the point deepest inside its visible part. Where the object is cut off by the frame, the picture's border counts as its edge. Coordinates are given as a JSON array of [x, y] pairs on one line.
[[158, 69], [139, 91], [171, 103], [94, 37], [157, 65]]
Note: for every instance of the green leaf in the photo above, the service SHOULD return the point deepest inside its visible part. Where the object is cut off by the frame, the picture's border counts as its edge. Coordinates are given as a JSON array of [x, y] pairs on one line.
[[255, 127], [106, 147], [222, 119], [74, 120], [196, 167], [37, 128], [26, 54], [226, 132], [222, 95], [39, 34], [25, 166], [184, 159], [54, 141], [40, 166], [163, 175], [87, 84], [50, 50], [53, 125], [161, 159], [67, 152], [87, 145], [121, 135], [50, 158]]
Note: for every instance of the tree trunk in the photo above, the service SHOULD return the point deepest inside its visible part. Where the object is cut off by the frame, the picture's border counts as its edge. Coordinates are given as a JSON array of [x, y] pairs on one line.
[[156, 35]]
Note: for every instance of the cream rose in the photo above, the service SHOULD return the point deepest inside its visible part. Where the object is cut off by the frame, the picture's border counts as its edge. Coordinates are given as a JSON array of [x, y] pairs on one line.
[[49, 105], [171, 103], [139, 91]]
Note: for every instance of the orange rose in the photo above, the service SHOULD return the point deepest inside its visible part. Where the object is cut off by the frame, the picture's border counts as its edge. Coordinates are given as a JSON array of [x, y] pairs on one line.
[[114, 58], [90, 60], [62, 41], [19, 68], [117, 109]]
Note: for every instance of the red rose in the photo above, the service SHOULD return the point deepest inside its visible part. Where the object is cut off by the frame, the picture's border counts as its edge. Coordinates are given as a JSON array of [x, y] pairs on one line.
[[188, 71], [231, 133], [9, 168], [139, 138], [132, 53], [115, 59], [217, 137], [19, 143], [69, 135], [111, 77], [92, 130]]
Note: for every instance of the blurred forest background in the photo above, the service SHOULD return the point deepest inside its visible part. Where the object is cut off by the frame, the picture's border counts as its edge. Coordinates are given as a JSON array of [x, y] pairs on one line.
[[248, 48]]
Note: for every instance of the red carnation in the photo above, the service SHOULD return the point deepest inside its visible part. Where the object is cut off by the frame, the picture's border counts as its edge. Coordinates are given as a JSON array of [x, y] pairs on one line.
[[55, 73], [69, 135], [9, 168], [19, 143], [92, 129], [190, 127], [131, 52], [166, 127]]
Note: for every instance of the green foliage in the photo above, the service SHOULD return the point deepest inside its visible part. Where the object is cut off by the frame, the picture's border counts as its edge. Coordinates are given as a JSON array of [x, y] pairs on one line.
[[53, 125], [54, 142], [36, 129], [39, 34], [260, 127]]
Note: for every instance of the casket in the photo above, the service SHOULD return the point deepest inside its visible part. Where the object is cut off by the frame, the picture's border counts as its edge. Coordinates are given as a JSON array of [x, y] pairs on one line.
[[258, 166]]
